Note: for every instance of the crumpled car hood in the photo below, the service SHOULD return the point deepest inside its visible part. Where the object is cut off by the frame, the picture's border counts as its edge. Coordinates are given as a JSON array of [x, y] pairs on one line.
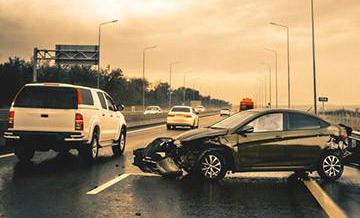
[[200, 133]]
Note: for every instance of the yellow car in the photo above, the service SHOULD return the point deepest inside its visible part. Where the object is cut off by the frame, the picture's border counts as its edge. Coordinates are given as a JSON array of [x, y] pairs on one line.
[[182, 116]]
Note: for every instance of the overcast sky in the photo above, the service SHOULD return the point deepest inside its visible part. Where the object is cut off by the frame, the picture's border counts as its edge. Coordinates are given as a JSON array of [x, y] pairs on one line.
[[220, 43]]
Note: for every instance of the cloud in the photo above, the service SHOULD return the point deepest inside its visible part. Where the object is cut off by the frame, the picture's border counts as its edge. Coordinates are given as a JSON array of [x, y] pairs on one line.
[[220, 41]]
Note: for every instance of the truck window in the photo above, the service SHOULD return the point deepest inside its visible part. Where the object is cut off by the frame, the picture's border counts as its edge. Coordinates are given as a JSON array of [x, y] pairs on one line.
[[87, 98], [47, 97], [102, 100]]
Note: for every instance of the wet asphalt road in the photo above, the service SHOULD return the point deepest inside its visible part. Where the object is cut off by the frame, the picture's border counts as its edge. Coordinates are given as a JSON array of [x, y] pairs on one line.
[[56, 186]]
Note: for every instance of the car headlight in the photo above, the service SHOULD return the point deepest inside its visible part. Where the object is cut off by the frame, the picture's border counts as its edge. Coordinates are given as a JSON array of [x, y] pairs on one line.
[[177, 143]]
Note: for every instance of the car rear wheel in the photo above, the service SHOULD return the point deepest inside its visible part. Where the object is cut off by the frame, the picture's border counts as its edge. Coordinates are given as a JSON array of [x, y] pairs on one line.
[[168, 127], [212, 166], [331, 166], [24, 154], [119, 148]]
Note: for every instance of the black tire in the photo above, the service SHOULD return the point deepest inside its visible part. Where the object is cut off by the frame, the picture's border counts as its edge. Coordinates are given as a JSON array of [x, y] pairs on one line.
[[119, 148], [24, 154], [218, 170], [168, 127], [331, 166], [90, 151]]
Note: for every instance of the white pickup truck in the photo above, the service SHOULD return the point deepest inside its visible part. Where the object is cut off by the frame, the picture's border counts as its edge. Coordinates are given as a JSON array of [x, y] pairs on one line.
[[61, 117]]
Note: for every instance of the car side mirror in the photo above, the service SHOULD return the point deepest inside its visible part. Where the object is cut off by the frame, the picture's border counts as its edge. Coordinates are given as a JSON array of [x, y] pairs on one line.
[[120, 107], [246, 129]]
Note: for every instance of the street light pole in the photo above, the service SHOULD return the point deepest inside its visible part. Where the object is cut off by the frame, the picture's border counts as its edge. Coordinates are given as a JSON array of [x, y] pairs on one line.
[[276, 75], [170, 72], [99, 41], [313, 53], [269, 67], [143, 79], [288, 58]]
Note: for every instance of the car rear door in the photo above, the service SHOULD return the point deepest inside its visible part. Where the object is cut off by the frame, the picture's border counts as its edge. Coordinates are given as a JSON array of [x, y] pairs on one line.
[[264, 147], [45, 108], [304, 138], [114, 121]]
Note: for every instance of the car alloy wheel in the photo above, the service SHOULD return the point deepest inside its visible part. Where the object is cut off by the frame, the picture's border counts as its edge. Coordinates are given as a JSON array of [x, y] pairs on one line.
[[211, 166], [331, 166]]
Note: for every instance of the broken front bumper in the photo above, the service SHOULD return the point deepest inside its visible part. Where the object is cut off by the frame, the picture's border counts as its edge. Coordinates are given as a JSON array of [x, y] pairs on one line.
[[158, 157]]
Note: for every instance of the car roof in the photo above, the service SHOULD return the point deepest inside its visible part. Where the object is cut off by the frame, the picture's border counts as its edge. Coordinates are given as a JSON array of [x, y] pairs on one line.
[[54, 84], [279, 110]]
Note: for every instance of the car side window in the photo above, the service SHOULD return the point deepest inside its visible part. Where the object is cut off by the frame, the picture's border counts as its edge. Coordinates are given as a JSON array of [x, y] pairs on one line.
[[297, 121], [268, 123], [102, 100], [110, 103]]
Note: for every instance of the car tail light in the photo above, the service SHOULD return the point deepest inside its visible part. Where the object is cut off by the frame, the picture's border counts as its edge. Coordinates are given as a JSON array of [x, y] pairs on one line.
[[79, 122], [171, 115], [11, 119], [78, 97], [188, 115]]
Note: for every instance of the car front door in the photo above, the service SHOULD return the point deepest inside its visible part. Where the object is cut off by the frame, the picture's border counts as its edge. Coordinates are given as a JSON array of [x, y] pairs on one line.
[[264, 147], [304, 138]]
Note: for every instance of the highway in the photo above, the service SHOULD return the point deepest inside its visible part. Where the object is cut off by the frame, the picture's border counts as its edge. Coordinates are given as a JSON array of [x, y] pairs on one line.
[[64, 186]]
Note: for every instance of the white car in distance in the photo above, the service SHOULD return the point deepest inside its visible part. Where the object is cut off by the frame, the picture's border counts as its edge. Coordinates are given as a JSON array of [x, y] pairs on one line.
[[225, 112], [182, 116], [200, 108], [152, 110]]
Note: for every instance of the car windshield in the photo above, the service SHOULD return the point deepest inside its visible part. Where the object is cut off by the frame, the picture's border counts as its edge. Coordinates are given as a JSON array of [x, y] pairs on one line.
[[233, 121], [180, 109]]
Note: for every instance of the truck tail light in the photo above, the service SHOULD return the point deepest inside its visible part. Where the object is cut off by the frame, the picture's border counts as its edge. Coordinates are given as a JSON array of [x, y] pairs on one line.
[[11, 119], [188, 115], [79, 122]]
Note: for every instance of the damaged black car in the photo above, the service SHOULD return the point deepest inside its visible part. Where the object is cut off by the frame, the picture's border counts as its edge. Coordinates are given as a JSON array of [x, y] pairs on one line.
[[254, 140]]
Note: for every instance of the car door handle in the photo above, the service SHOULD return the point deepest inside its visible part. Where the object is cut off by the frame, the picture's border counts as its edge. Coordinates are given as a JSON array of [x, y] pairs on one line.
[[103, 114]]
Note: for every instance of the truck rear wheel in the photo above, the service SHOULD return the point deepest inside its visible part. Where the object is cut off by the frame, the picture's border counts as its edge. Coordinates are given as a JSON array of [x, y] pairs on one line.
[[24, 154], [90, 151], [119, 148]]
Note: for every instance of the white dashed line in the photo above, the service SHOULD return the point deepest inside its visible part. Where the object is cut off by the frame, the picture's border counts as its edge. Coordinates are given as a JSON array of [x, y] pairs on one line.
[[7, 155], [108, 184]]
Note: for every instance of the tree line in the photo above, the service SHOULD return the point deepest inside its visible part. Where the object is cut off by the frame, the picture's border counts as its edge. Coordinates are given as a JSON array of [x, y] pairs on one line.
[[16, 72]]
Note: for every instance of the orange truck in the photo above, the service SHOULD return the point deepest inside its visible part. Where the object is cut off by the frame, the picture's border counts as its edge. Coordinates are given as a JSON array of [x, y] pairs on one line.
[[246, 104]]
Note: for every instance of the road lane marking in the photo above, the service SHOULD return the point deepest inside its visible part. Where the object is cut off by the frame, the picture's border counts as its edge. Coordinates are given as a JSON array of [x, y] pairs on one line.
[[329, 206], [6, 155], [145, 174], [107, 184]]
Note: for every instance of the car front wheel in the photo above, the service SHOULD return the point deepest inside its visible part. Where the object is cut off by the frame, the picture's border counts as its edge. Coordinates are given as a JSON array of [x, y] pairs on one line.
[[212, 166], [331, 167]]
